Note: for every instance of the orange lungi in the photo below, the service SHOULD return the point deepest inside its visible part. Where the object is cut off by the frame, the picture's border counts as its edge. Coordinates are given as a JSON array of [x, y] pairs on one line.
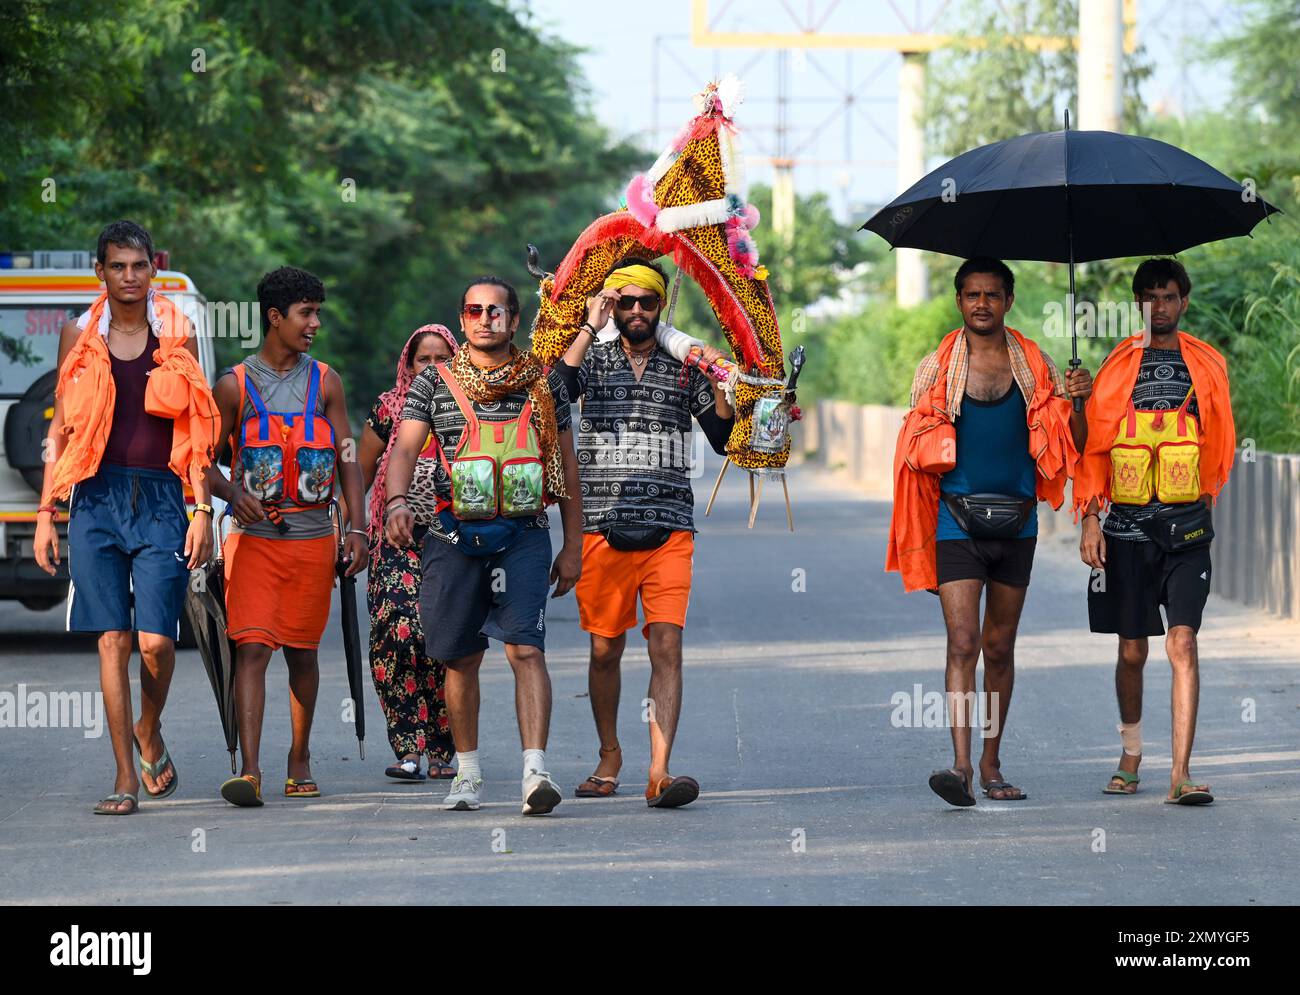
[[278, 590]]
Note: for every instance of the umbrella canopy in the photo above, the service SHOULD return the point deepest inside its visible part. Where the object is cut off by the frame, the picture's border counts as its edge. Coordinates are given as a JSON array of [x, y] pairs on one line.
[[1069, 196], [206, 608]]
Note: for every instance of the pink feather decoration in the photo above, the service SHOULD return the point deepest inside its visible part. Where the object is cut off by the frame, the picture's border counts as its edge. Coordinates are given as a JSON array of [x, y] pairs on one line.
[[751, 217], [640, 200]]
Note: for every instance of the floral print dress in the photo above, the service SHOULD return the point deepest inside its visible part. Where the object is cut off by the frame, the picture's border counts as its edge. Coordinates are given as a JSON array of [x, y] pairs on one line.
[[410, 685]]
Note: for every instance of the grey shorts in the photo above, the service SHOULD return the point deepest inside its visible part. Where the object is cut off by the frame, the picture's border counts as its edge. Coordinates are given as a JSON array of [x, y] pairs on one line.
[[464, 600]]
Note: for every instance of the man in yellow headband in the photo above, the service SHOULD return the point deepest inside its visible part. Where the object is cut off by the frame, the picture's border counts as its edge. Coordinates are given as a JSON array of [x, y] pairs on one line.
[[634, 449]]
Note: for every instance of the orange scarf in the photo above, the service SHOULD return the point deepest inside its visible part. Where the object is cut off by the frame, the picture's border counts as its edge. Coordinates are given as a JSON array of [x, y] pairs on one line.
[[177, 389], [915, 520], [1111, 392]]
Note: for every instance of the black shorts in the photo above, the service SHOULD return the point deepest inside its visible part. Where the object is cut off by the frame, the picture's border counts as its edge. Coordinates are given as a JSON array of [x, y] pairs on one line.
[[1007, 561], [1138, 579], [466, 599]]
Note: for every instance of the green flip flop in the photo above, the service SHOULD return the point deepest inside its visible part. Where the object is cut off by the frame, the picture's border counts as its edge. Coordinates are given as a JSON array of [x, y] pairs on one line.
[[1187, 794], [108, 806], [1124, 776], [156, 768]]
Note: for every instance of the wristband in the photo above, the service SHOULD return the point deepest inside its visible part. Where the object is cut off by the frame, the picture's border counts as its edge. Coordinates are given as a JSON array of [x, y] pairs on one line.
[[395, 497], [359, 532], [203, 507], [389, 511], [587, 326], [1091, 514], [52, 509]]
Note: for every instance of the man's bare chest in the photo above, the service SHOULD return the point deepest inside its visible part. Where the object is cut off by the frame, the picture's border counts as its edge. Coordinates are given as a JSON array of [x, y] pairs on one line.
[[989, 379]]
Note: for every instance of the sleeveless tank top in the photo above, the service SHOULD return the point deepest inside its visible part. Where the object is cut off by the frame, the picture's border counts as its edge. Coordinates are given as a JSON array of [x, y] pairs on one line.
[[137, 438]]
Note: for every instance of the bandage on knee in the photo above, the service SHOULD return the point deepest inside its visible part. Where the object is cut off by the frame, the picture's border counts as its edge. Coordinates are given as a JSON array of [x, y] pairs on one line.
[[1130, 735]]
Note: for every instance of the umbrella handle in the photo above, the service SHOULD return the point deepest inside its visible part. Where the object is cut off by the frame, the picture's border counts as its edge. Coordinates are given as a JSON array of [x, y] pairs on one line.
[[219, 544], [1075, 363]]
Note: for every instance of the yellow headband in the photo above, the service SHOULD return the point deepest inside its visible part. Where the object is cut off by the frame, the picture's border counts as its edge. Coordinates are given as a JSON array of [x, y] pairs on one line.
[[638, 276]]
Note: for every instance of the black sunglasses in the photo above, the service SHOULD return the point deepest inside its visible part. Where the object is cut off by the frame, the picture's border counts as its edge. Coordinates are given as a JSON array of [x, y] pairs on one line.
[[650, 302]]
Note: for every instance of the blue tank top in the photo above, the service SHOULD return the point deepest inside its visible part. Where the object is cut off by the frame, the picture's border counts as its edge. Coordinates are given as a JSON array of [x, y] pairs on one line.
[[992, 458]]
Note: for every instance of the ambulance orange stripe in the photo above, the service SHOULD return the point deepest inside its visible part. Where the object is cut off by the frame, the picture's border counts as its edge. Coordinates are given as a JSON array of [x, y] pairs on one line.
[[87, 284]]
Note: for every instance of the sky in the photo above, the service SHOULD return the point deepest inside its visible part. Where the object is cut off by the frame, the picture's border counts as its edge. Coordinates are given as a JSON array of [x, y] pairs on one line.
[[638, 51]]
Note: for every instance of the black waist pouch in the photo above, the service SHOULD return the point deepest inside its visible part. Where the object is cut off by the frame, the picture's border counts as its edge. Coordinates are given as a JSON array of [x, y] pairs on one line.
[[989, 516], [635, 538], [1180, 527]]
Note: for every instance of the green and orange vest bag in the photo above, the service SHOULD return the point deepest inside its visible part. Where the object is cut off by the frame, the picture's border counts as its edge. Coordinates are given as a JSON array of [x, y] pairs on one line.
[[497, 477]]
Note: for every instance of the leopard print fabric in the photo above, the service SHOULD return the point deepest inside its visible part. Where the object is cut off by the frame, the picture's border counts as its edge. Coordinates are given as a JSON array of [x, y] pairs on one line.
[[556, 324], [695, 176]]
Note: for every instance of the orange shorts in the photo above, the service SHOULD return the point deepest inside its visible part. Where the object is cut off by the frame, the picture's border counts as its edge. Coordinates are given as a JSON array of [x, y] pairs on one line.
[[278, 590], [611, 581]]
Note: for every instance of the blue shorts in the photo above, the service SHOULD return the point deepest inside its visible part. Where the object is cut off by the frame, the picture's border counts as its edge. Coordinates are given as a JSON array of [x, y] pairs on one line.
[[466, 599], [126, 549]]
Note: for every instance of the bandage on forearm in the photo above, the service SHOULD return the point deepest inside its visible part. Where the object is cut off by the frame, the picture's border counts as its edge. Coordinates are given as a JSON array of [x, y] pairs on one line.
[[1130, 735]]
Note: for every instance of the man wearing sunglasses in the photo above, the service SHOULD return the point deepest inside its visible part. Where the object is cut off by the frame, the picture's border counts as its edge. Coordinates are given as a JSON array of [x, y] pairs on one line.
[[634, 442], [500, 589]]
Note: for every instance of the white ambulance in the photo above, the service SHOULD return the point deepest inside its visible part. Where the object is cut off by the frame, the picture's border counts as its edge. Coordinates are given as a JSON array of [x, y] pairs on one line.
[[39, 292]]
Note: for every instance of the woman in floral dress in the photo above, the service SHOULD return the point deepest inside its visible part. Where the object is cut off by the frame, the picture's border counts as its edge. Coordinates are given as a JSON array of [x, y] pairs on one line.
[[409, 684]]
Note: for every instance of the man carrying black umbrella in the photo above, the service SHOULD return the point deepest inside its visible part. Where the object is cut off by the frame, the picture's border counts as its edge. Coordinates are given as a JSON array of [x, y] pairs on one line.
[[1161, 445], [965, 515]]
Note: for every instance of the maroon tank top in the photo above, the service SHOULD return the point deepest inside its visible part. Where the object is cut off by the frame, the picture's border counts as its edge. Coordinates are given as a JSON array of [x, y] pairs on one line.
[[137, 438]]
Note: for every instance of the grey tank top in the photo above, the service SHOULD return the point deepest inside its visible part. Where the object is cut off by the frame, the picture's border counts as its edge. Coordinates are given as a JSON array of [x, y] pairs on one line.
[[284, 392]]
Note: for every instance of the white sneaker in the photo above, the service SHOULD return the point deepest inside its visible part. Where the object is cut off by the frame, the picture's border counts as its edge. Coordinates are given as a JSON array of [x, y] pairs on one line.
[[541, 794], [463, 796]]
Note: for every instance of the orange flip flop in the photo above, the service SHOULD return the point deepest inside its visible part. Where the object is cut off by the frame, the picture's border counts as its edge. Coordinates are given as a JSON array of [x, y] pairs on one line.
[[244, 791], [672, 792]]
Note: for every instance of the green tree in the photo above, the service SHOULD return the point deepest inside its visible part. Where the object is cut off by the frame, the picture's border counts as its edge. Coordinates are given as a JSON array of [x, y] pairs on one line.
[[394, 149]]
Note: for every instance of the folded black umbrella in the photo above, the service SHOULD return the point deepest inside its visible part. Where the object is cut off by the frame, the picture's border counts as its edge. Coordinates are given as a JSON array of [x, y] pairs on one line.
[[205, 603], [352, 651]]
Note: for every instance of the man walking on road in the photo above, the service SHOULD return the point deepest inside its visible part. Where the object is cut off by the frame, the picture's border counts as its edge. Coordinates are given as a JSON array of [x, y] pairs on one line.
[[288, 417], [965, 510], [638, 520], [134, 420], [493, 580], [1160, 447]]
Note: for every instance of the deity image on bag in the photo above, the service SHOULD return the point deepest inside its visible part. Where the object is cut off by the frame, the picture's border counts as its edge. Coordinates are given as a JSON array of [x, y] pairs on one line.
[[315, 475], [473, 495], [521, 487], [770, 424], [263, 474]]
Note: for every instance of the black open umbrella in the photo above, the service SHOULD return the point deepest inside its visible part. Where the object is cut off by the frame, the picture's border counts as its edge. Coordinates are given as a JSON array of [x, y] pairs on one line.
[[205, 603], [352, 642], [1070, 196]]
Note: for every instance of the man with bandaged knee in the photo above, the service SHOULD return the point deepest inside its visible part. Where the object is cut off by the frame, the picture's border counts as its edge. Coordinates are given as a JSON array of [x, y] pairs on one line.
[[1161, 443]]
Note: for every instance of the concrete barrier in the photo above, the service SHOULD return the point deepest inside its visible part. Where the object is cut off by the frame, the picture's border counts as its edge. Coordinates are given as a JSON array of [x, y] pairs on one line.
[[1256, 520]]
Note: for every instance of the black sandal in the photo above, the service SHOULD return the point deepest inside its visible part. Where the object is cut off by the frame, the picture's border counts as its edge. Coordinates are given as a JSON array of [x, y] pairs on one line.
[[1001, 785], [399, 771], [952, 787]]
